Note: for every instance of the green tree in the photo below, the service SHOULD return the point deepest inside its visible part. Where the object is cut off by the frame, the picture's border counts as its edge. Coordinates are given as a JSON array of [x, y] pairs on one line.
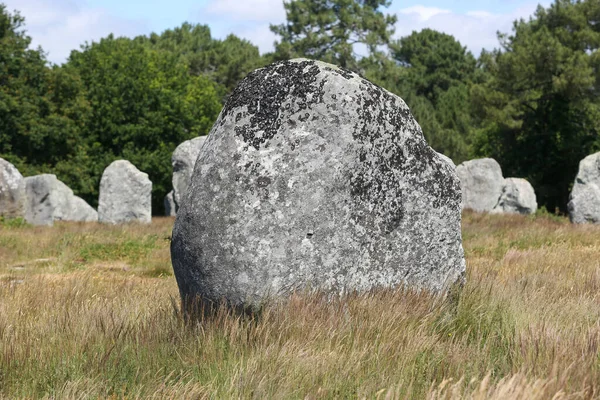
[[328, 30], [436, 61], [143, 103], [39, 107], [226, 62], [540, 107], [22, 85]]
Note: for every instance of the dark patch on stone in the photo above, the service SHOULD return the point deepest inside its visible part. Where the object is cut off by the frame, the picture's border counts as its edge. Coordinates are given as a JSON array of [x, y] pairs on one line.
[[343, 72], [263, 181], [304, 118], [265, 90]]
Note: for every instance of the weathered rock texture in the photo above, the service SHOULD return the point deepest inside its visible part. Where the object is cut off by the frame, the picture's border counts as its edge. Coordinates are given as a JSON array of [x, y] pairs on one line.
[[169, 203], [12, 191], [183, 161], [125, 194], [518, 197], [584, 204], [49, 200], [313, 177], [447, 159], [482, 184]]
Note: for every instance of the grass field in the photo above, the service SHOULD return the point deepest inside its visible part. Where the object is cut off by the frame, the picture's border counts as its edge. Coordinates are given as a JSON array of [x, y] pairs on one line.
[[91, 311]]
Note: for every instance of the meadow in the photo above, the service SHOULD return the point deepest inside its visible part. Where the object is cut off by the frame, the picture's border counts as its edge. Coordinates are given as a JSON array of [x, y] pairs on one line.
[[92, 311]]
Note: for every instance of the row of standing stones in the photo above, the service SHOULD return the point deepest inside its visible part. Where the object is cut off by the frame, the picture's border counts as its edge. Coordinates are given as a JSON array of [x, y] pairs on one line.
[[311, 178], [125, 192], [42, 199]]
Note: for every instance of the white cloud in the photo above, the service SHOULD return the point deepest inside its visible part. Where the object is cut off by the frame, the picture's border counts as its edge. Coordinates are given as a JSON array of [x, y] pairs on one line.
[[474, 29], [247, 10], [423, 13], [249, 20], [61, 26]]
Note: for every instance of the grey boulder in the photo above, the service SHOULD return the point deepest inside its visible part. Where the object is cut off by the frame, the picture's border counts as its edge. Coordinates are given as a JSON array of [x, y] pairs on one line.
[[584, 200], [518, 197], [125, 194], [13, 199], [49, 200], [314, 178], [482, 184], [183, 161]]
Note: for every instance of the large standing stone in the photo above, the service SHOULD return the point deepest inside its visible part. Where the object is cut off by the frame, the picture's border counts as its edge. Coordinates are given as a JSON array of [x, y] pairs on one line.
[[183, 161], [49, 200], [313, 177], [482, 184], [12, 191], [518, 197], [125, 194], [584, 204]]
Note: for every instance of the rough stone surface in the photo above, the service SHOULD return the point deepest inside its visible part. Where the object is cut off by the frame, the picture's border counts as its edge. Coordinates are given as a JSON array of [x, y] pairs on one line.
[[584, 204], [170, 205], [482, 184], [518, 197], [313, 177], [447, 159], [13, 200], [183, 161], [125, 194], [49, 200]]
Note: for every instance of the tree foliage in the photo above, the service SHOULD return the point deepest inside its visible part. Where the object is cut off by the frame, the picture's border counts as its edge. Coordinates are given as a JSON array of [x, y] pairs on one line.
[[329, 30], [225, 62], [143, 103], [540, 107]]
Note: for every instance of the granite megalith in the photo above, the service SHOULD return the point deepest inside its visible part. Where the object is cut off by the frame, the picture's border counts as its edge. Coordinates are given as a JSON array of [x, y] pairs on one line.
[[584, 200], [482, 184], [13, 201], [314, 178], [183, 161], [125, 194], [518, 197], [49, 200]]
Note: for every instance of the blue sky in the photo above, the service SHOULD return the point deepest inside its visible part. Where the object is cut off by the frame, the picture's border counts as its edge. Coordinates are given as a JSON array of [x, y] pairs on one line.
[[60, 26]]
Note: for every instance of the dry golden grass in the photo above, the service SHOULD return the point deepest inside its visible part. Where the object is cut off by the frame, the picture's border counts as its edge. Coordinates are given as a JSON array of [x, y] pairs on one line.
[[90, 311]]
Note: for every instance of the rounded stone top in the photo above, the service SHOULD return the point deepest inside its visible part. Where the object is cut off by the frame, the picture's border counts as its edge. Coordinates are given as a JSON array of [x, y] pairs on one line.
[[186, 153], [127, 167]]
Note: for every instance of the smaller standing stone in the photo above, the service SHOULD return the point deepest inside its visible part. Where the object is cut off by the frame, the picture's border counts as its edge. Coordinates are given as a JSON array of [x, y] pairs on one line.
[[125, 194], [584, 204], [482, 183], [518, 197], [183, 161], [49, 200], [82, 211], [170, 205], [12, 191]]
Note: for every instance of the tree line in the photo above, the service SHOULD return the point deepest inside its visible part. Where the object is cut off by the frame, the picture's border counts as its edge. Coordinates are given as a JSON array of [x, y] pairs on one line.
[[532, 103]]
